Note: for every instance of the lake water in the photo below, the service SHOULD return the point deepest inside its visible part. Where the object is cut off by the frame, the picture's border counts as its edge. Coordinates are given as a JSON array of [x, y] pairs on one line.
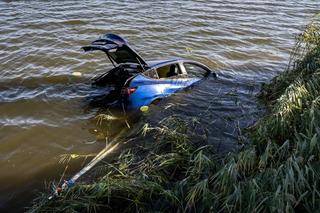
[[46, 112]]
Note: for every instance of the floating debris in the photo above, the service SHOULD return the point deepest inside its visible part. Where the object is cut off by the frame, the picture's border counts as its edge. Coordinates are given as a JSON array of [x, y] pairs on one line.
[[78, 74]]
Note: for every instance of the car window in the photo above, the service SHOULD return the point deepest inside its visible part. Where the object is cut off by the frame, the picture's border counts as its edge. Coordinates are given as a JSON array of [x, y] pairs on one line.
[[195, 70], [168, 71], [151, 74]]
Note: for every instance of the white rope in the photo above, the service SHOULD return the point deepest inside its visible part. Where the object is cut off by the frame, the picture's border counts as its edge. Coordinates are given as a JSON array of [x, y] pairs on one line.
[[100, 156], [109, 148]]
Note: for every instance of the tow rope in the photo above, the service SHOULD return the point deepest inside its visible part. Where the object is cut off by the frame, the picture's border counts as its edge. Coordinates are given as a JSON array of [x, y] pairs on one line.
[[101, 155], [111, 146]]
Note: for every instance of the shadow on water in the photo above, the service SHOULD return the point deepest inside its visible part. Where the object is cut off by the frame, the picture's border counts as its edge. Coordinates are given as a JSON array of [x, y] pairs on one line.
[[223, 105]]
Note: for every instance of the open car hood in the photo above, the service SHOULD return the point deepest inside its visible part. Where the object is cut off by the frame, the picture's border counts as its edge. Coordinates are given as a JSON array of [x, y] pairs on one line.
[[116, 48]]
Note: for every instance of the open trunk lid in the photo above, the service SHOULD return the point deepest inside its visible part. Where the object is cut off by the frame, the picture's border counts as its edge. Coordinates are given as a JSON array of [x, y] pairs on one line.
[[117, 49]]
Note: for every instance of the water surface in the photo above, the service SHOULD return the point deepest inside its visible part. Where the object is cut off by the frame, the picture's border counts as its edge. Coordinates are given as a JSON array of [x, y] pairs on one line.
[[45, 111]]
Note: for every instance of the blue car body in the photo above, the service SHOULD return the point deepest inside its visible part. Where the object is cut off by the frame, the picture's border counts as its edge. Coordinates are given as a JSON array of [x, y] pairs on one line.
[[150, 90], [143, 82]]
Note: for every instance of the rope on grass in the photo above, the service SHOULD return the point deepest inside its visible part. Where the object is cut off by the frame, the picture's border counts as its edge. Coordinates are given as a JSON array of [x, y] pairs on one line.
[[100, 156], [111, 146]]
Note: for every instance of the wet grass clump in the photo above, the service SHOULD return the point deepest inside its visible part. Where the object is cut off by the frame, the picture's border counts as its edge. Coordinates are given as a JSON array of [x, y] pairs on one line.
[[176, 171]]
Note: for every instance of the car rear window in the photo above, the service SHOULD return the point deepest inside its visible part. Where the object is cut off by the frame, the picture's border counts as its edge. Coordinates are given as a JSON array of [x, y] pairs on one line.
[[151, 74]]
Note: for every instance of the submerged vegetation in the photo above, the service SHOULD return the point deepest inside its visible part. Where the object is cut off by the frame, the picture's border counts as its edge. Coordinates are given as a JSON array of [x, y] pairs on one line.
[[277, 171]]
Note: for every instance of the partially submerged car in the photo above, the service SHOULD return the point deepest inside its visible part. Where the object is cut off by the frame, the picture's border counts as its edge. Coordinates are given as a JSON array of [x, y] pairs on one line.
[[144, 82]]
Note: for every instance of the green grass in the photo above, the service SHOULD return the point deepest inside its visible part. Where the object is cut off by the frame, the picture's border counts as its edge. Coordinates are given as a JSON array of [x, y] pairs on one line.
[[176, 171]]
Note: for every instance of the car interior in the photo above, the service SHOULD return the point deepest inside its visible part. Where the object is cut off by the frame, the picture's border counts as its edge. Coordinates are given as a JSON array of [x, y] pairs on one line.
[[168, 71]]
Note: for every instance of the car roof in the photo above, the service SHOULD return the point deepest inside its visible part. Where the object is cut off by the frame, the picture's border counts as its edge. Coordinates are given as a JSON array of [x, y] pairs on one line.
[[156, 63]]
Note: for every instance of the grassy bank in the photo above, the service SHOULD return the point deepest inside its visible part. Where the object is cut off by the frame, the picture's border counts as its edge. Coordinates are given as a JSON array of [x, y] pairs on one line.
[[176, 171]]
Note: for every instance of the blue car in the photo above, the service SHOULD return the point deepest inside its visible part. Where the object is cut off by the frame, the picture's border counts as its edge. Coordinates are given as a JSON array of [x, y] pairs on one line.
[[141, 82]]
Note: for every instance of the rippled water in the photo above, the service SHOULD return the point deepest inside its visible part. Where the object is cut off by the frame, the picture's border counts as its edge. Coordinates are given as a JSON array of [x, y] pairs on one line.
[[46, 112]]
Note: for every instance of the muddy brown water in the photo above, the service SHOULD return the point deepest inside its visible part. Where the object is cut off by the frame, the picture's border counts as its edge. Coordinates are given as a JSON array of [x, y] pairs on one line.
[[45, 111]]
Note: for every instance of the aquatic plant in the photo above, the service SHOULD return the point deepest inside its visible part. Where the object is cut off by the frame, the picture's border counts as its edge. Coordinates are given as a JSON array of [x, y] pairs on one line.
[[176, 171]]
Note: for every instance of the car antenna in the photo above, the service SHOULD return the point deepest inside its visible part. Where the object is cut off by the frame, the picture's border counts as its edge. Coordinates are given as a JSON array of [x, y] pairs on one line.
[[140, 64]]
